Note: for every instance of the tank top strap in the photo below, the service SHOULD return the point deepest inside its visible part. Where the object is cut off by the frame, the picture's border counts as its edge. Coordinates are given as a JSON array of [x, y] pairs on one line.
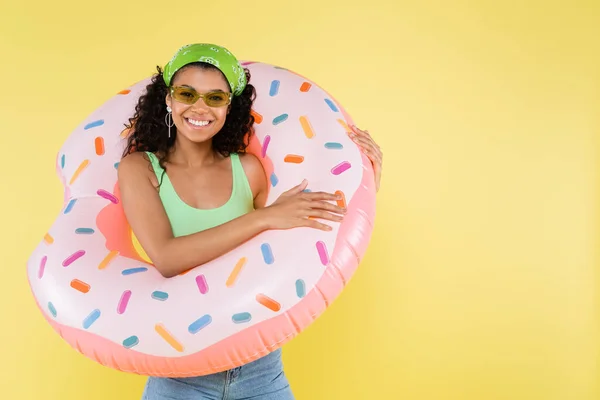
[[240, 180], [158, 170]]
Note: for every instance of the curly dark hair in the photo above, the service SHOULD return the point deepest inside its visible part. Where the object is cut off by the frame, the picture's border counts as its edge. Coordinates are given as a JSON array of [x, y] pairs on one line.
[[148, 132]]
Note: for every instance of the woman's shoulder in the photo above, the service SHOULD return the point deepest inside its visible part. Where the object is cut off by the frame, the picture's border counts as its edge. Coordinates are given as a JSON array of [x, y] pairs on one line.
[[254, 171], [136, 164]]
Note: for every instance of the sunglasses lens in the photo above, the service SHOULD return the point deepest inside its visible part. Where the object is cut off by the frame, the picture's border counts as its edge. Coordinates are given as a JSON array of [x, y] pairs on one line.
[[184, 95], [216, 99]]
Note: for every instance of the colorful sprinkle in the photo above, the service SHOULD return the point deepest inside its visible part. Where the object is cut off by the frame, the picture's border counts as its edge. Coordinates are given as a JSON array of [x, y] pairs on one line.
[[69, 206], [333, 145], [108, 196], [341, 202], [274, 179], [306, 127], [52, 309], [200, 323], [307, 190], [99, 145], [162, 331], [130, 342], [42, 267], [331, 105], [257, 117], [109, 257], [322, 250], [263, 150], [69, 260], [284, 69], [344, 125], [84, 231], [123, 301], [48, 238], [293, 158], [62, 161], [241, 317], [116, 165], [133, 270], [274, 88], [300, 288], [236, 271], [279, 119], [90, 319], [81, 167], [202, 284], [267, 253], [268, 302], [94, 124], [305, 87], [126, 91], [341, 167], [158, 295], [80, 286]]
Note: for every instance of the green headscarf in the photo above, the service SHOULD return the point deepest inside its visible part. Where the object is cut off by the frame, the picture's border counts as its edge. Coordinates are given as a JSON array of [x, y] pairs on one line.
[[213, 54]]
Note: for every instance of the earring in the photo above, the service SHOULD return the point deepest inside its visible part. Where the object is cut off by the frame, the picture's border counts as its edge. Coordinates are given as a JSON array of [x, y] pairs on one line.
[[169, 120]]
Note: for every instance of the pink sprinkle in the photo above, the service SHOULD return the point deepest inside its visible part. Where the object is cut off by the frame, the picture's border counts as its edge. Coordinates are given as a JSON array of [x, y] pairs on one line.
[[202, 285], [323, 255], [108, 196], [69, 260], [124, 301], [341, 167], [263, 152], [42, 267]]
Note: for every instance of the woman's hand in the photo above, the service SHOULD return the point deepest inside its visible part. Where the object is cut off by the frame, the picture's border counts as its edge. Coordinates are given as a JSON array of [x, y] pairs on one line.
[[371, 150], [295, 208]]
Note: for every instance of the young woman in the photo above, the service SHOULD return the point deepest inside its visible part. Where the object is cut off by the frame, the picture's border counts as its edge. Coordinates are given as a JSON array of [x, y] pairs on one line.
[[191, 193]]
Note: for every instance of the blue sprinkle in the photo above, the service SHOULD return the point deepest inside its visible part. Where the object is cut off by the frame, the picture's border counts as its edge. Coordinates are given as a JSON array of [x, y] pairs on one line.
[[331, 105], [116, 165], [70, 206], [267, 253], [62, 161], [133, 270], [300, 288], [158, 295], [84, 231], [94, 124], [307, 190], [130, 342], [333, 145], [279, 119], [274, 179], [241, 317], [90, 319], [274, 88], [52, 309], [200, 323]]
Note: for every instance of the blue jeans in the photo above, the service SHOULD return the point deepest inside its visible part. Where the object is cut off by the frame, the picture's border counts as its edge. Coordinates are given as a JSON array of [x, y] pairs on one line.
[[262, 379]]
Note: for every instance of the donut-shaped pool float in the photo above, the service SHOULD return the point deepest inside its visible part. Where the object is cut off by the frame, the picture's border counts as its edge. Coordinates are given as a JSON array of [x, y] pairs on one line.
[[108, 302]]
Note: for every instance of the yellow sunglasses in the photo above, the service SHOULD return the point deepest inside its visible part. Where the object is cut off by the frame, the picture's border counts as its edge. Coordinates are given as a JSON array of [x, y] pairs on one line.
[[189, 96]]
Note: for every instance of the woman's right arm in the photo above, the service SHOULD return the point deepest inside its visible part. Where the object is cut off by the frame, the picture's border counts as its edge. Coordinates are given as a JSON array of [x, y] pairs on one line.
[[173, 255]]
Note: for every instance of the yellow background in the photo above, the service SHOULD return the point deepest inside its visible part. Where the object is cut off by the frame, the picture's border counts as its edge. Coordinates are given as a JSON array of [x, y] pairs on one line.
[[481, 281]]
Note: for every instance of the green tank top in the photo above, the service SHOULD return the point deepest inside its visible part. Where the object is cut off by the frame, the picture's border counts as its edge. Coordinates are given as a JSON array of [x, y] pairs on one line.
[[186, 219]]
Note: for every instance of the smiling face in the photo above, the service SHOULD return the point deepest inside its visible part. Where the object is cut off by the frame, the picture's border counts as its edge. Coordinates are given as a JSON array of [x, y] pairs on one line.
[[198, 122]]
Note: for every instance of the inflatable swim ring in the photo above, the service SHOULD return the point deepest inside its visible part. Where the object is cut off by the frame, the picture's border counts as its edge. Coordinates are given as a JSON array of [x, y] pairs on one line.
[[110, 304]]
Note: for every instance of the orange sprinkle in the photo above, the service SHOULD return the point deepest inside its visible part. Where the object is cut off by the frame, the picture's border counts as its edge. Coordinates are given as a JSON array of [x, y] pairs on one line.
[[126, 91], [344, 125], [48, 238], [125, 132], [268, 302], [185, 272], [104, 263], [305, 87], [81, 167], [257, 117], [293, 158], [162, 331], [308, 131], [79, 285], [236, 271], [342, 202], [99, 143]]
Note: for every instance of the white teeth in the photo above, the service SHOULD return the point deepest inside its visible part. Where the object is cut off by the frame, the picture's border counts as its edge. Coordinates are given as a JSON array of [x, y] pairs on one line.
[[198, 123]]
